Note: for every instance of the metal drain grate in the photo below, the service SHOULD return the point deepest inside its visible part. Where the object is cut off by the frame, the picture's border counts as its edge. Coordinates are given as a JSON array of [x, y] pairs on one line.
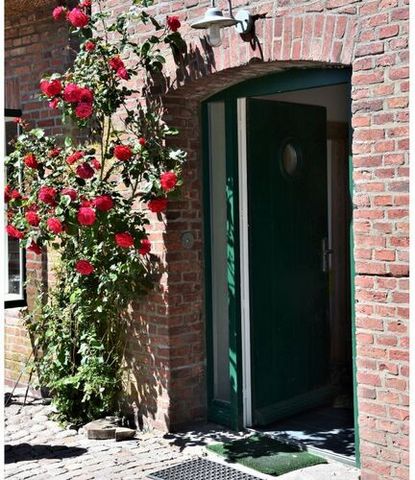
[[200, 469]]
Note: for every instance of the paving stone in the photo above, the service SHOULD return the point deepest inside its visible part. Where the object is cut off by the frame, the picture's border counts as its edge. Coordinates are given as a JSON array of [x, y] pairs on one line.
[[122, 434], [58, 454], [41, 418], [37, 427], [66, 433], [101, 429]]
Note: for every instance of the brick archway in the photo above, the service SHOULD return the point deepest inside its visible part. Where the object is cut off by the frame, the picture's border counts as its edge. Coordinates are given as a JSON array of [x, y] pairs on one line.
[[298, 39], [186, 287], [366, 39]]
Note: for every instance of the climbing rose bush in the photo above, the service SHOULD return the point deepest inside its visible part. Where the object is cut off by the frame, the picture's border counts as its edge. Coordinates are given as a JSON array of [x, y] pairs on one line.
[[89, 197]]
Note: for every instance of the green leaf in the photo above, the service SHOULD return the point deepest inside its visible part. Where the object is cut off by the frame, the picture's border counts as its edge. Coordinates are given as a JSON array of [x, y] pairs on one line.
[[155, 23], [145, 47], [38, 133], [65, 200]]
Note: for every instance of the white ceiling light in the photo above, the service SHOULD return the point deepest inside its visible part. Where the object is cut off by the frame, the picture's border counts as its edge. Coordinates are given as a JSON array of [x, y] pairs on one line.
[[214, 21]]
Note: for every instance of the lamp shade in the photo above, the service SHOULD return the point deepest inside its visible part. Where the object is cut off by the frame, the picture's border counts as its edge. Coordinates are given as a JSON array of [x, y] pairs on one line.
[[214, 17]]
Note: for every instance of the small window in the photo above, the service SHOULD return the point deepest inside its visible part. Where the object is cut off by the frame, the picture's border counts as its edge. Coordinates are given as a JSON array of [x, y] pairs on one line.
[[290, 159], [15, 294]]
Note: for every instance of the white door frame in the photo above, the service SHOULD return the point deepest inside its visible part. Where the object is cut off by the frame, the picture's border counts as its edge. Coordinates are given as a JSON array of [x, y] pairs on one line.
[[244, 264]]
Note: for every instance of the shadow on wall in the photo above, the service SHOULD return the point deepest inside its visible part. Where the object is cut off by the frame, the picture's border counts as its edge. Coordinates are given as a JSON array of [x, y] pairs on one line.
[[191, 63], [196, 64], [146, 354]]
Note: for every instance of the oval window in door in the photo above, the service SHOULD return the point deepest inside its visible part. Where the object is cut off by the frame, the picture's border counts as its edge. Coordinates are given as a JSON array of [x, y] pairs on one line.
[[290, 159]]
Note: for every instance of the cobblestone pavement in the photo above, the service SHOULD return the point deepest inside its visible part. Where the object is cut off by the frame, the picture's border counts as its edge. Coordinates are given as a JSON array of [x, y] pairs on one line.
[[38, 448]]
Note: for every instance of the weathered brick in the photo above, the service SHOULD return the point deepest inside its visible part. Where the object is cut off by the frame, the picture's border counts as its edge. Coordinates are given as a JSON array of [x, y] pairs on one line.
[[372, 37]]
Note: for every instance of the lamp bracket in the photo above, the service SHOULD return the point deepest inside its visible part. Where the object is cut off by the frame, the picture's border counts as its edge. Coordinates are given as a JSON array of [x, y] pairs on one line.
[[245, 21]]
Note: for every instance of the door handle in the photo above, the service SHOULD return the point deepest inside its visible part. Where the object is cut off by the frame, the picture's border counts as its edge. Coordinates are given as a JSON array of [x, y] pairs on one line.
[[325, 252]]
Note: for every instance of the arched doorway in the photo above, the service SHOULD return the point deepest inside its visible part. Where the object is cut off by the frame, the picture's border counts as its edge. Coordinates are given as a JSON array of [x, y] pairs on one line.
[[278, 260]]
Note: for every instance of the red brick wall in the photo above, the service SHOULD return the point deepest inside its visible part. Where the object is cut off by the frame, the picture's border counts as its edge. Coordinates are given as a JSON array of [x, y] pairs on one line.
[[372, 38], [34, 45], [167, 352]]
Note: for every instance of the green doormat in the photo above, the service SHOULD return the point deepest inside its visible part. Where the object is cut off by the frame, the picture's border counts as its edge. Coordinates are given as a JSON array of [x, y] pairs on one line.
[[266, 455]]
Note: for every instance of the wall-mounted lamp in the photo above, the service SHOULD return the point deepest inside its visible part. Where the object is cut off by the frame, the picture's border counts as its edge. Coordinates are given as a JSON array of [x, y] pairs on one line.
[[214, 20]]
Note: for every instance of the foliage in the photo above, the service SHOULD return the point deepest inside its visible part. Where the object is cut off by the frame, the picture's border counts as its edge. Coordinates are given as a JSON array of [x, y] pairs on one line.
[[88, 197]]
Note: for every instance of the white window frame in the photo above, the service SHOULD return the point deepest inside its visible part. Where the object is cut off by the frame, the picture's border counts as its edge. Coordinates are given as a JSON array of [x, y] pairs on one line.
[[13, 300]]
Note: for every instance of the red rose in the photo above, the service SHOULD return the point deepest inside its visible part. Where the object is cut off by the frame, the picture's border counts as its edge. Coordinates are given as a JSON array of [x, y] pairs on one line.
[[54, 103], [142, 141], [123, 152], [103, 203], [86, 216], [173, 23], [32, 218], [71, 192], [14, 232], [54, 153], [86, 203], [10, 194], [47, 195], [168, 181], [35, 248], [72, 93], [51, 88], [124, 240], [30, 161], [85, 171], [157, 205], [85, 4], [17, 120], [74, 157], [89, 46], [83, 110], [77, 18], [97, 165], [86, 95], [55, 88], [122, 73], [116, 63], [16, 195], [54, 225], [58, 13], [84, 267], [145, 247], [7, 194]]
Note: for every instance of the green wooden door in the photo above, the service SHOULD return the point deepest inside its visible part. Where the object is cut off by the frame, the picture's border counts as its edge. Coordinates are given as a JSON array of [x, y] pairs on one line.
[[287, 196]]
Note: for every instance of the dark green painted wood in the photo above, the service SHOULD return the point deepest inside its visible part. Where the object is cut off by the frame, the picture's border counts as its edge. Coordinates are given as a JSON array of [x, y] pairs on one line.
[[287, 81], [235, 348], [289, 290], [207, 254], [295, 79], [218, 411], [228, 414]]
